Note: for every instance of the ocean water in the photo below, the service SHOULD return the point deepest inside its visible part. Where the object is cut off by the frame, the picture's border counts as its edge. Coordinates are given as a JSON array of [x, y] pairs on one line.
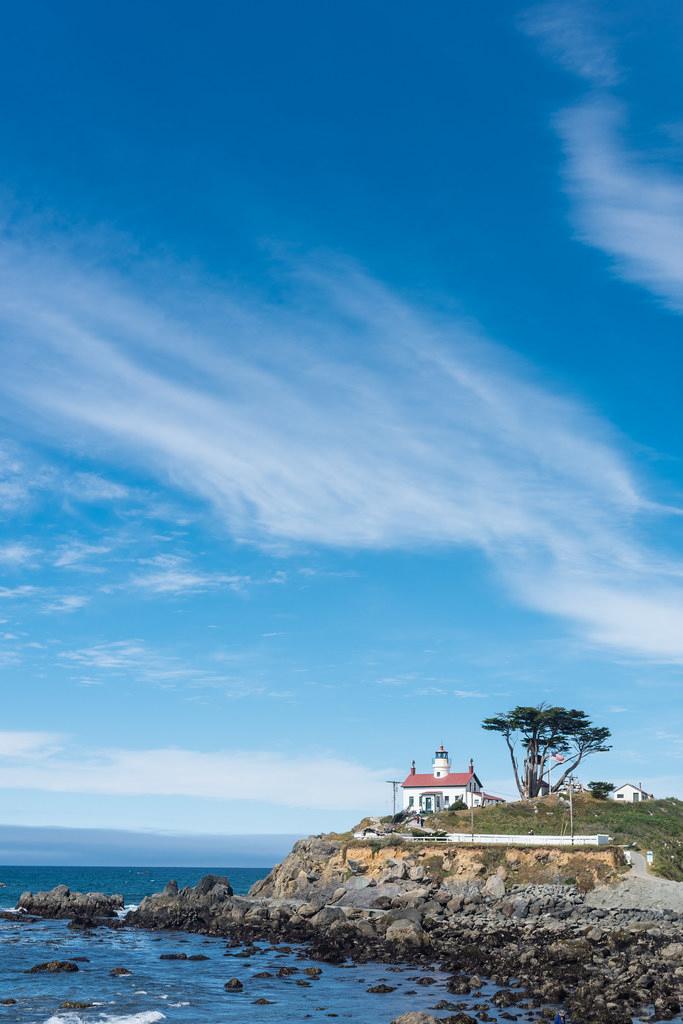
[[176, 991]]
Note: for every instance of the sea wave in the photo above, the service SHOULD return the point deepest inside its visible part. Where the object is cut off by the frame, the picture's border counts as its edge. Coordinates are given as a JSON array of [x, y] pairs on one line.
[[146, 1017], [126, 909]]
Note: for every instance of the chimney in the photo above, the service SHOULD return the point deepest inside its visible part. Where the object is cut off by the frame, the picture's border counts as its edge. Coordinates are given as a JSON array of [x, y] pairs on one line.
[[412, 768], [472, 764]]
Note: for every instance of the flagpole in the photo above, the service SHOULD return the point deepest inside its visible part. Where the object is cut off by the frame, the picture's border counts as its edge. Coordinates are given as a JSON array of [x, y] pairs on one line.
[[550, 768]]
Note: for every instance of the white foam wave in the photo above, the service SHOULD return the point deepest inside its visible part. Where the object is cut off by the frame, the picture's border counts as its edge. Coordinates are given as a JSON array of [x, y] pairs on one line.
[[146, 1017], [126, 908]]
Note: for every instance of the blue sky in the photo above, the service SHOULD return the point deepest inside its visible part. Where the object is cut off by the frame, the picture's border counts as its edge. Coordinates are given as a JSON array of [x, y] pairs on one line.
[[340, 401]]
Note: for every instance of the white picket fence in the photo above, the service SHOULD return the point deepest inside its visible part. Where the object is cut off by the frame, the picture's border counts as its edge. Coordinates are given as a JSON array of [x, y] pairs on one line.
[[487, 839], [483, 839]]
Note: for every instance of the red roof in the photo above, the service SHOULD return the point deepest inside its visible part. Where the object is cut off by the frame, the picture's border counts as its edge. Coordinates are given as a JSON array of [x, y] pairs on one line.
[[490, 796], [429, 781]]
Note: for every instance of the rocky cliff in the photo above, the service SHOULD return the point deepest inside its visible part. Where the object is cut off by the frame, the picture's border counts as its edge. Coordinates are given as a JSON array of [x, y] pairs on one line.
[[320, 865]]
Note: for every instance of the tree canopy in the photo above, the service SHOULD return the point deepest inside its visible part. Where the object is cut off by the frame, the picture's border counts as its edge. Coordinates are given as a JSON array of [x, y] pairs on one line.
[[600, 790], [540, 732]]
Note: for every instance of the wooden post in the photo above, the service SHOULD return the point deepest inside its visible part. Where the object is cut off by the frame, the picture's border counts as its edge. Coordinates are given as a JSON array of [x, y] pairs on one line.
[[394, 783]]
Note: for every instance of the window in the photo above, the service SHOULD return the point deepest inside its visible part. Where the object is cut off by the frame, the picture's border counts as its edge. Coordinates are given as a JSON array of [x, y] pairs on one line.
[[636, 797], [438, 774], [411, 801], [446, 800], [620, 796]]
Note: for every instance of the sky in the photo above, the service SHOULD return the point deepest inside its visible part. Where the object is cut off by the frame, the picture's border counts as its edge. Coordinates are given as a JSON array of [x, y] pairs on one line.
[[340, 401]]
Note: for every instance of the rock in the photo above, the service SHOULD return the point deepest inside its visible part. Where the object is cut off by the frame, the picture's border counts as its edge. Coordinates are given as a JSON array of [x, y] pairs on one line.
[[120, 972], [234, 985], [60, 902], [381, 988], [74, 1004], [405, 932], [54, 967], [173, 956], [359, 882], [672, 951], [262, 1001], [495, 887], [459, 986], [199, 956], [209, 883], [415, 1017], [8, 1002], [313, 972]]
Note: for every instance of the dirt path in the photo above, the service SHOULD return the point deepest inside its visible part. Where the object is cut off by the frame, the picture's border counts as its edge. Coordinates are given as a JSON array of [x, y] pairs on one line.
[[639, 868]]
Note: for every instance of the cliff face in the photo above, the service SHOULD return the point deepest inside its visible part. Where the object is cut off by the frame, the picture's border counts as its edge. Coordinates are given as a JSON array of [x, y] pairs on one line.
[[321, 866]]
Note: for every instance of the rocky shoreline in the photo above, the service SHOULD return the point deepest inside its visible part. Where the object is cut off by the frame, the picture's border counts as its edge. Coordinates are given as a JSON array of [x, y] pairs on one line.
[[543, 944]]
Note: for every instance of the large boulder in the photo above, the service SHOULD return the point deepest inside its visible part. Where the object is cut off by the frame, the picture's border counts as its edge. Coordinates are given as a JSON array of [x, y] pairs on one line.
[[60, 902], [405, 932], [195, 908], [211, 883], [494, 887]]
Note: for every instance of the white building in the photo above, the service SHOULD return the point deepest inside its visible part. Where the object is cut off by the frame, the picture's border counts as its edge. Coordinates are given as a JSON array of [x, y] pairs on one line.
[[630, 794], [441, 788]]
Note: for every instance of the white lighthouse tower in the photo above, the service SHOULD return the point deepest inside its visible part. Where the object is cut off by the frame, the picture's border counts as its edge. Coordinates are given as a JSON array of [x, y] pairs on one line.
[[441, 764]]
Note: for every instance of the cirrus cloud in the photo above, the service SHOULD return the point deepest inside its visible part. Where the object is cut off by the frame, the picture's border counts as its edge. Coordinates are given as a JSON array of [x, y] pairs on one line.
[[344, 417]]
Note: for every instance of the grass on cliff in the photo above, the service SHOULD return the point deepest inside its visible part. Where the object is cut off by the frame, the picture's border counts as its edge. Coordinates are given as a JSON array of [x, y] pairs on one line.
[[655, 825]]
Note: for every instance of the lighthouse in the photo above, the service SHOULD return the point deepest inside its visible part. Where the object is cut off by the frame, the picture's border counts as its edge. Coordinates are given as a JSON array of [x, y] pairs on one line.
[[441, 763], [442, 788]]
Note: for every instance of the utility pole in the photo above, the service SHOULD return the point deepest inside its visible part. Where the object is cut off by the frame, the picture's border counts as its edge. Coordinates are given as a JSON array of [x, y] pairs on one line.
[[394, 783]]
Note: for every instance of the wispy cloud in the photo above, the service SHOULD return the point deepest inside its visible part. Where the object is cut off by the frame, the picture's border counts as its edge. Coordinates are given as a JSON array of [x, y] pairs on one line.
[[119, 654], [568, 33], [90, 487], [14, 481], [135, 661], [627, 203], [17, 554], [67, 603], [24, 590], [74, 552], [29, 761], [172, 574], [33, 745], [349, 418]]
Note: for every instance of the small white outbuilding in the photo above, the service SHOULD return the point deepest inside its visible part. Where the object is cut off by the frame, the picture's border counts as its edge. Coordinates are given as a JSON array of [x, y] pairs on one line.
[[630, 794]]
